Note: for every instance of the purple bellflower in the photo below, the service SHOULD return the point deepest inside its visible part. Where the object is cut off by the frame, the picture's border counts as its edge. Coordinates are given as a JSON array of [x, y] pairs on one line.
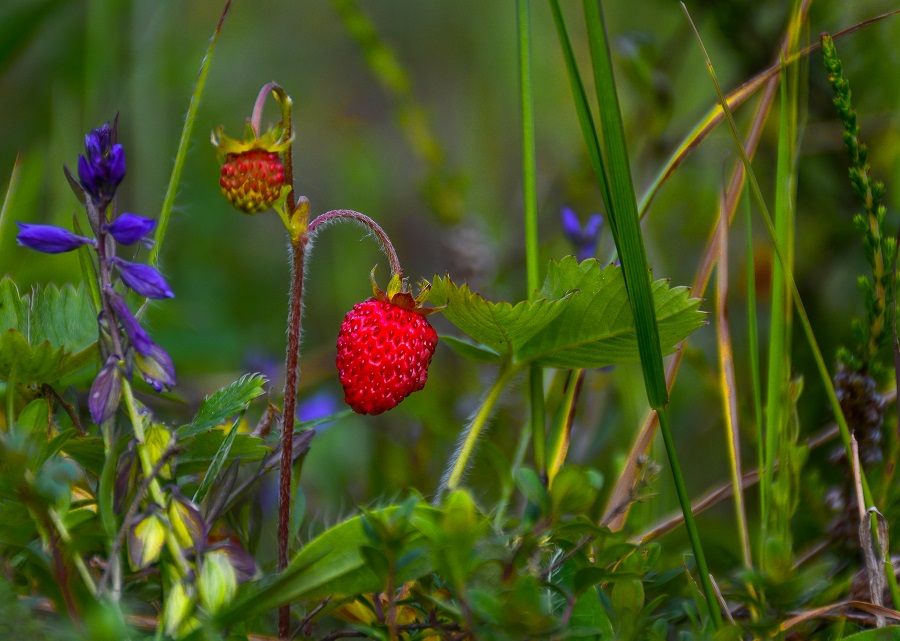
[[143, 279], [583, 239], [50, 239], [128, 229], [102, 168], [124, 344]]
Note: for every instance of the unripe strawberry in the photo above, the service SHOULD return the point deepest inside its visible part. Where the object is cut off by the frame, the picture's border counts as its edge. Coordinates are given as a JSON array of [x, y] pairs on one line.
[[252, 174], [252, 180], [384, 349]]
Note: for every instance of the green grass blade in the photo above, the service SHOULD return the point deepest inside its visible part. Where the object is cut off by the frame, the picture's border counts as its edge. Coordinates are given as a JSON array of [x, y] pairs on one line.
[[185, 142], [626, 229], [630, 246], [529, 183], [582, 107], [729, 387], [753, 337]]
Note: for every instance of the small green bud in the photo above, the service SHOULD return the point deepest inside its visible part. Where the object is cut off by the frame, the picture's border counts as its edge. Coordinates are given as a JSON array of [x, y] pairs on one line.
[[180, 601], [146, 540], [217, 582], [186, 521], [156, 439]]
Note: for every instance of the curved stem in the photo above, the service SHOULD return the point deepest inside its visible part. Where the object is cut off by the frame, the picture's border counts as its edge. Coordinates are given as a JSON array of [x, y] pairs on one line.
[[256, 114], [460, 460], [371, 225], [292, 355]]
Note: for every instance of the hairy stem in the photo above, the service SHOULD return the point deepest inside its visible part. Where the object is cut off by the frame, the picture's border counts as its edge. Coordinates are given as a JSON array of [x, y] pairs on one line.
[[460, 460], [292, 355], [371, 225]]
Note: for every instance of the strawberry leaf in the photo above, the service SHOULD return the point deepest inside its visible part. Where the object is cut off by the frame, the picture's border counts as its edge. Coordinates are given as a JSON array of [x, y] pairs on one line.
[[596, 327], [501, 327], [47, 334], [582, 319]]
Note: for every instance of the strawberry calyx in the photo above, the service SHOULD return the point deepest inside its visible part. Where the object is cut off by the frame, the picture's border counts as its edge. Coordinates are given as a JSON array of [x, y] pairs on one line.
[[398, 294], [272, 141]]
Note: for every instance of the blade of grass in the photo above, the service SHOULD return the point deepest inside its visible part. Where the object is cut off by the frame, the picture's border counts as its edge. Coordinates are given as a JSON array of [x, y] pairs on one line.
[[753, 335], [184, 143], [582, 109], [729, 389], [778, 406], [623, 216], [561, 433], [529, 187], [630, 246]]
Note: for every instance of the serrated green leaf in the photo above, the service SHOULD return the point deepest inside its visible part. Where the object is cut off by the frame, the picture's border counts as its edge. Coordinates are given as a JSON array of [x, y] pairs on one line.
[[583, 319], [596, 326], [502, 327], [223, 404], [47, 334]]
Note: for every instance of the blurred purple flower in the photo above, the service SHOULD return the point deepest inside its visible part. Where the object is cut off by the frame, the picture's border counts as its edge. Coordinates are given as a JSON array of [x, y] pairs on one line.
[[317, 406], [102, 168], [49, 239], [584, 239], [143, 279], [265, 364], [131, 228], [103, 399], [156, 367]]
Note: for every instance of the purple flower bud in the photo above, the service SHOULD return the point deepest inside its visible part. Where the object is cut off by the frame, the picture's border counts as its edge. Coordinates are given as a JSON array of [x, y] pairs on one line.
[[50, 239], [103, 399], [131, 228], [139, 338], [103, 167], [143, 279], [584, 239], [156, 367]]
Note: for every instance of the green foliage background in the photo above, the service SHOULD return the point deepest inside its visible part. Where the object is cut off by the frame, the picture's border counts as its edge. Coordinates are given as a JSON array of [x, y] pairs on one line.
[[66, 67]]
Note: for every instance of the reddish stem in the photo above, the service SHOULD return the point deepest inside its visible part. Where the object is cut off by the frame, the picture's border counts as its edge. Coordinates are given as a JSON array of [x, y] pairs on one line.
[[298, 250], [371, 225], [256, 114]]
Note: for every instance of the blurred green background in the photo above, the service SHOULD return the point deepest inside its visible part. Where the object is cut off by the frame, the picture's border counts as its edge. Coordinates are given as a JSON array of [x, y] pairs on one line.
[[437, 164]]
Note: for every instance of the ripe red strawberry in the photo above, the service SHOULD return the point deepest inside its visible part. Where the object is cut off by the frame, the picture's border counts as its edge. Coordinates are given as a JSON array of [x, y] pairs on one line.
[[252, 173], [384, 348], [252, 180]]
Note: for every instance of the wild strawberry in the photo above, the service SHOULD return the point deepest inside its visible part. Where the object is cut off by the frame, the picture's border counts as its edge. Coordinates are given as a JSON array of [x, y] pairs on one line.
[[384, 348], [252, 180], [252, 173]]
